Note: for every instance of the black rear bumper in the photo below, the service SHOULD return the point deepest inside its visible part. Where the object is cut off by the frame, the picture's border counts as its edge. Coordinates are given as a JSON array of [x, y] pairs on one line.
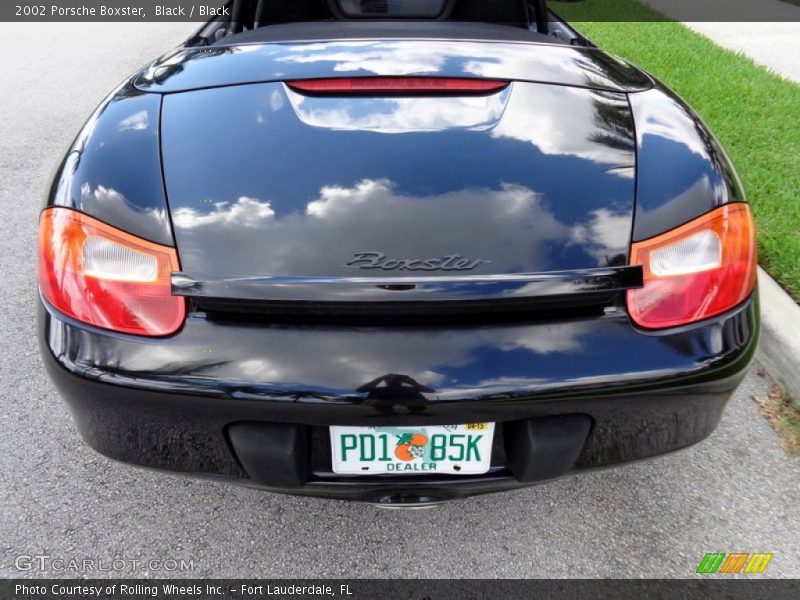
[[215, 401]]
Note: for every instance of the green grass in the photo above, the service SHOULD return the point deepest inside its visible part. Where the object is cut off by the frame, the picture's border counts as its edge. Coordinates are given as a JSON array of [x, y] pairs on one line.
[[754, 113]]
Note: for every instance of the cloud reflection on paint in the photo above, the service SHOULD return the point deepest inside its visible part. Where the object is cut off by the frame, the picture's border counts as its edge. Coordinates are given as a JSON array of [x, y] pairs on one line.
[[358, 214], [538, 119], [478, 59], [345, 359], [114, 206], [400, 115], [598, 127]]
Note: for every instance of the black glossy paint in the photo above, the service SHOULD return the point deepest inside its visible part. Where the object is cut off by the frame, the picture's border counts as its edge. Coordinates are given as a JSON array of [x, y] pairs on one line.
[[113, 169], [537, 188], [167, 404], [197, 68], [311, 364], [534, 178], [682, 170]]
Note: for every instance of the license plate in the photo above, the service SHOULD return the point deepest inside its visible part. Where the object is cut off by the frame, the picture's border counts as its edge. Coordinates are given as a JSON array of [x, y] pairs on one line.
[[450, 449]]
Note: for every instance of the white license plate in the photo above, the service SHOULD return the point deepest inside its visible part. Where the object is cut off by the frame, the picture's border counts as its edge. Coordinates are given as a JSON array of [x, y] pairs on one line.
[[451, 449]]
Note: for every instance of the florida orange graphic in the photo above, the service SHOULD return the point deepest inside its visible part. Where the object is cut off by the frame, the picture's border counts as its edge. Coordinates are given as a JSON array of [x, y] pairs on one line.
[[410, 446]]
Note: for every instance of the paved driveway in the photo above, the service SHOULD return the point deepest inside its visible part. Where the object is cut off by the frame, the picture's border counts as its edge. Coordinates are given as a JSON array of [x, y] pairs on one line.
[[736, 491]]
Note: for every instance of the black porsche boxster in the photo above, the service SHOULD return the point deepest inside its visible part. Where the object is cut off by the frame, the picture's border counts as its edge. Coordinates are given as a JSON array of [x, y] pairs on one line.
[[396, 251]]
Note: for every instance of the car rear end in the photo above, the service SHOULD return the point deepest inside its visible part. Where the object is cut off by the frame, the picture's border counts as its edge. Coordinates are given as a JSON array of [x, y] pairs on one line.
[[397, 271]]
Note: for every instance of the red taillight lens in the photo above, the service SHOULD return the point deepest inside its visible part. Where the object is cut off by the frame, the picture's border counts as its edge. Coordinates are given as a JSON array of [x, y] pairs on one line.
[[105, 277], [397, 85], [696, 271]]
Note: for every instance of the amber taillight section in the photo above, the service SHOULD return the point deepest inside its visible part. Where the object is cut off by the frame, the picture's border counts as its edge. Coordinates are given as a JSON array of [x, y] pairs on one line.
[[696, 271], [105, 277]]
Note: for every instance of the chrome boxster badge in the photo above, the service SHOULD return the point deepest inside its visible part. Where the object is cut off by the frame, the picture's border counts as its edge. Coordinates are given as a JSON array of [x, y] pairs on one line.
[[378, 260]]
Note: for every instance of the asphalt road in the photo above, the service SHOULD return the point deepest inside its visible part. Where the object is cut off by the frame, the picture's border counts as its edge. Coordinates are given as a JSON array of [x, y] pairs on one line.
[[737, 491]]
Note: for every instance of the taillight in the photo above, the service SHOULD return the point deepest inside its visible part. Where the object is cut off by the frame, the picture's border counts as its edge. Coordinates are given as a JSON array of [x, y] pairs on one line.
[[396, 85], [105, 277], [696, 271]]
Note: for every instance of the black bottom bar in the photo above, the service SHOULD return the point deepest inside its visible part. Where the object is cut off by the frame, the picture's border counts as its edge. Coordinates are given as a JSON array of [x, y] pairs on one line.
[[704, 587]]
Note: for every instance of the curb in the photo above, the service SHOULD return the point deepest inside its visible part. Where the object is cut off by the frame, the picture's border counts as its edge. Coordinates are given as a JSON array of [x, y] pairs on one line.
[[779, 349]]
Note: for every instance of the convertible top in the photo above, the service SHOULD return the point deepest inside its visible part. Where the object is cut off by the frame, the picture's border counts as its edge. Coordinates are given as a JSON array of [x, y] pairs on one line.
[[336, 30], [292, 20]]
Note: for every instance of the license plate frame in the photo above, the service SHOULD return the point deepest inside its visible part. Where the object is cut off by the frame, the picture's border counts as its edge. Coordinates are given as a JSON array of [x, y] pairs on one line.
[[464, 449]]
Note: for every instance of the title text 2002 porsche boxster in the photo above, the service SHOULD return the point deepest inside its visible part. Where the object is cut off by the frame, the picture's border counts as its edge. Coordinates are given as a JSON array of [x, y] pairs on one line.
[[394, 251]]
